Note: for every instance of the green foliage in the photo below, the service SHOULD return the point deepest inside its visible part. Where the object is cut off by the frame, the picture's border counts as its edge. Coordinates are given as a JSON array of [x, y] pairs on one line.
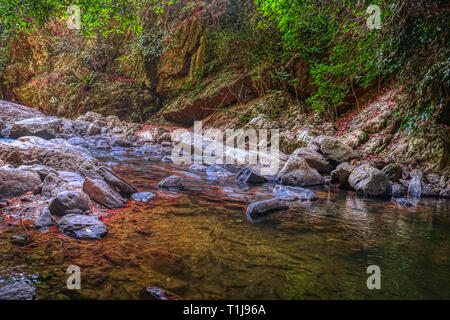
[[343, 53], [97, 16]]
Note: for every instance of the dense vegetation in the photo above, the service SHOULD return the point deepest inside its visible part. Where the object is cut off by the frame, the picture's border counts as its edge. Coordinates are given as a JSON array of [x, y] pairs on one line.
[[331, 37]]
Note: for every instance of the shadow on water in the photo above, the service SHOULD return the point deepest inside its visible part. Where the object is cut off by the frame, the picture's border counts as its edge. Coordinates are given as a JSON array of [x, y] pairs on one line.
[[199, 245]]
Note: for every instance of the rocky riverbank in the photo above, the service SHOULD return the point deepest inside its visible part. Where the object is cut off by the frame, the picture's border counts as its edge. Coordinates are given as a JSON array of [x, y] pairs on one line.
[[48, 169]]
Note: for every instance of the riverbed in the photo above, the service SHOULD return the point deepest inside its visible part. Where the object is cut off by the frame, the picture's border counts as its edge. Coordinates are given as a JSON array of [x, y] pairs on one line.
[[198, 244]]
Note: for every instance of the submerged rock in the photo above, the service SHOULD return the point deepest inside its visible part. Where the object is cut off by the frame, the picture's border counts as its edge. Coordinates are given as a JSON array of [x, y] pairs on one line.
[[69, 201], [18, 291], [370, 181], [82, 227], [172, 182], [260, 209], [155, 293], [294, 193], [143, 196]]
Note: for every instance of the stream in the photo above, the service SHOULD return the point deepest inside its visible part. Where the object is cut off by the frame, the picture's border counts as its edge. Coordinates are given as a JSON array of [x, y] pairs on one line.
[[198, 244]]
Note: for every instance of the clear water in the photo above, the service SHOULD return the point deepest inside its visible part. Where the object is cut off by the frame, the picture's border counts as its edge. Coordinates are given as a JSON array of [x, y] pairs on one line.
[[199, 245]]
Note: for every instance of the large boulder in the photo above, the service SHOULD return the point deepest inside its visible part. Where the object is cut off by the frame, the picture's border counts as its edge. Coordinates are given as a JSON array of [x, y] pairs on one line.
[[69, 202], [370, 181], [335, 150], [260, 209], [43, 127], [11, 113], [294, 193], [297, 172], [101, 192], [82, 227], [315, 159], [14, 182], [354, 138], [52, 155]]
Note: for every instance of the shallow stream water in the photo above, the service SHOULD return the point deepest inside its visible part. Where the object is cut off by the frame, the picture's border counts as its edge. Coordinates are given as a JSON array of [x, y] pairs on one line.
[[199, 245]]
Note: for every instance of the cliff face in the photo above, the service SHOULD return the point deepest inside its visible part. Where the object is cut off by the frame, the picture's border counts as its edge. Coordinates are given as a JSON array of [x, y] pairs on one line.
[[65, 74], [198, 70]]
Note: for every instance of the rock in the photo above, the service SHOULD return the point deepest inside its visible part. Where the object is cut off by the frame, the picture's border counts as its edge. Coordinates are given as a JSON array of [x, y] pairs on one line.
[[404, 202], [217, 172], [146, 137], [415, 188], [370, 181], [315, 159], [172, 182], [82, 227], [166, 159], [43, 127], [52, 155], [69, 200], [393, 172], [297, 172], [53, 185], [294, 193], [99, 191], [249, 176], [260, 209], [115, 181], [354, 138], [93, 129], [143, 196], [416, 174], [155, 293], [429, 191], [340, 175], [91, 117], [445, 193], [11, 113], [165, 137], [44, 221], [14, 182], [198, 168], [398, 190], [77, 141], [335, 150], [18, 291], [121, 141]]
